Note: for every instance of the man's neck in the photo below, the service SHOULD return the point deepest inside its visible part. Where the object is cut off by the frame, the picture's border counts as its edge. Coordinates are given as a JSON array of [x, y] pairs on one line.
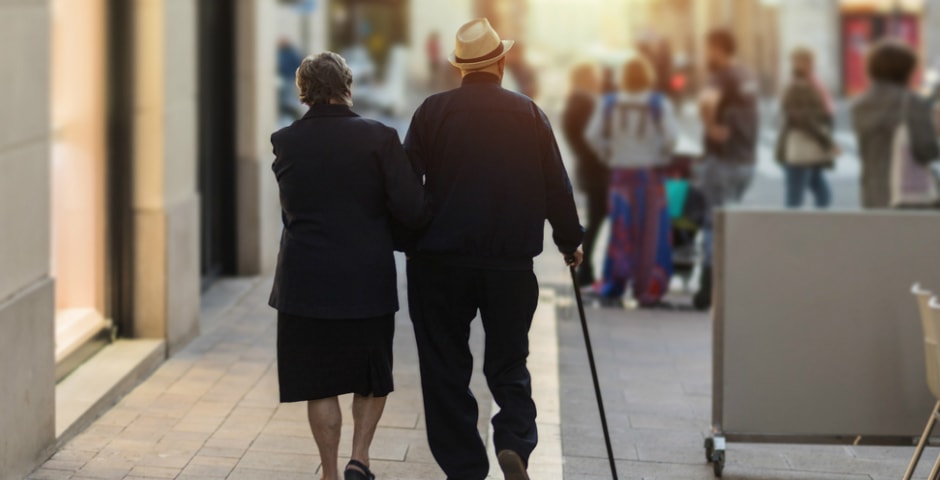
[[492, 70], [481, 76]]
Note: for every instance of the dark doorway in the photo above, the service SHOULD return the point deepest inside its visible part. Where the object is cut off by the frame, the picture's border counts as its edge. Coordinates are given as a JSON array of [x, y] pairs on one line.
[[217, 137], [119, 281]]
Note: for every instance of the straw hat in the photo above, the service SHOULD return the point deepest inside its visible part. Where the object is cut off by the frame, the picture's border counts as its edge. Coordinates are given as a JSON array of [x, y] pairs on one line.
[[478, 46]]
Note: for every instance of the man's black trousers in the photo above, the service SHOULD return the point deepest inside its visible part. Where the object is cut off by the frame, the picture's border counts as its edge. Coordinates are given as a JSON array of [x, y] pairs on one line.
[[443, 300]]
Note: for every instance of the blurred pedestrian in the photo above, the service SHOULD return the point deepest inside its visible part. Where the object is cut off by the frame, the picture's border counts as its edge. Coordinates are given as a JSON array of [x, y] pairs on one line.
[[806, 147], [728, 108], [878, 112], [658, 51], [288, 59], [342, 180], [591, 173], [608, 80], [493, 168], [635, 132]]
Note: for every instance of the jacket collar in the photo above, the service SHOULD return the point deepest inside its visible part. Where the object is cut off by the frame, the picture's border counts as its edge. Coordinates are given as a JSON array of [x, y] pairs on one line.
[[329, 110], [479, 78]]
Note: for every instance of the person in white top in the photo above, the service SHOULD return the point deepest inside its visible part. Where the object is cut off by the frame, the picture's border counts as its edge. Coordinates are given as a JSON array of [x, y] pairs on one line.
[[635, 131]]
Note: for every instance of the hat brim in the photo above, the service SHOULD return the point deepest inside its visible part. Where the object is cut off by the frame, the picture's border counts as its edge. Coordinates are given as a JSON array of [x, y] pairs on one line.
[[507, 45]]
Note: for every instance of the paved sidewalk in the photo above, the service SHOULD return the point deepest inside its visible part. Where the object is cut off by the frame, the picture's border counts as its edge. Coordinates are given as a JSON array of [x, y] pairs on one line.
[[212, 412], [655, 370]]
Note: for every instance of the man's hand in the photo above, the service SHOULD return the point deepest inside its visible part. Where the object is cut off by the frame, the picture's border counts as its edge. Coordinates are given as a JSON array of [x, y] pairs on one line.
[[574, 259]]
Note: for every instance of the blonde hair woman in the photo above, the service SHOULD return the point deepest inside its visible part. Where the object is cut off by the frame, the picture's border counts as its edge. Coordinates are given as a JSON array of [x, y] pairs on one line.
[[806, 147], [635, 132]]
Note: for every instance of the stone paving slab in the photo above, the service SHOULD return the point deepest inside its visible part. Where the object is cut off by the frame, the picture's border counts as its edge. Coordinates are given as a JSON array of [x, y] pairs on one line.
[[212, 411], [655, 370]]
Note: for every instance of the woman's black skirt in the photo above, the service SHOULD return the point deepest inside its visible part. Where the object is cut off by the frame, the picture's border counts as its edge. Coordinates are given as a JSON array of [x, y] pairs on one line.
[[319, 358]]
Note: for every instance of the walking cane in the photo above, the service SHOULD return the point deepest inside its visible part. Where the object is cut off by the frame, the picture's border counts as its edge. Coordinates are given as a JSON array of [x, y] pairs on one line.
[[597, 385]]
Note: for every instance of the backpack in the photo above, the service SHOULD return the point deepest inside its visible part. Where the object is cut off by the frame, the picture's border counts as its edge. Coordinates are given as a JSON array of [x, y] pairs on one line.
[[654, 106], [646, 143]]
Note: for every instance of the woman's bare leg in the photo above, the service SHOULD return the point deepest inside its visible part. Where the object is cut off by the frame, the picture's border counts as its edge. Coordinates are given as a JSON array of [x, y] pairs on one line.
[[326, 423], [366, 413]]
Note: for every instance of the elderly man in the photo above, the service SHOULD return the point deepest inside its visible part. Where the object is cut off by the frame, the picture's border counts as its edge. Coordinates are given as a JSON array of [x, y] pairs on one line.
[[494, 173]]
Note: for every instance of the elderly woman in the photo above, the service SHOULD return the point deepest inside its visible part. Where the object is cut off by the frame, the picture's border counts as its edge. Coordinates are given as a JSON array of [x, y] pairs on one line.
[[805, 146], [634, 131], [878, 112], [343, 181]]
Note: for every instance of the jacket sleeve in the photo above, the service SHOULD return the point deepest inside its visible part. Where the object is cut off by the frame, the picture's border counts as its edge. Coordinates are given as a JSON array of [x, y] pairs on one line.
[[924, 144], [405, 195], [560, 207]]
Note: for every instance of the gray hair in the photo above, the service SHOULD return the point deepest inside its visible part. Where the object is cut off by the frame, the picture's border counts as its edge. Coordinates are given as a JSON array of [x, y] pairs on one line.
[[324, 78]]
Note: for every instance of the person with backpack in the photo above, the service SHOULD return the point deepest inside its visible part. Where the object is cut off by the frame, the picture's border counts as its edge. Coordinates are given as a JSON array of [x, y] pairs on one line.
[[878, 112], [635, 131], [728, 108]]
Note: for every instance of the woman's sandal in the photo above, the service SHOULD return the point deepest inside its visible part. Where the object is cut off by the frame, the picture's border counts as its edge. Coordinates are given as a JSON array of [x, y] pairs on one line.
[[359, 471]]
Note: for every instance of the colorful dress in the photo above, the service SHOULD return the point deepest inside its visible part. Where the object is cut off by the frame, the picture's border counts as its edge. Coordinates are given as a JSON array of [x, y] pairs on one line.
[[640, 249]]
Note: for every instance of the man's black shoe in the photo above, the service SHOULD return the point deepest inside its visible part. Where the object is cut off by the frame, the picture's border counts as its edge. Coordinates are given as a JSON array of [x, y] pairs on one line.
[[512, 465]]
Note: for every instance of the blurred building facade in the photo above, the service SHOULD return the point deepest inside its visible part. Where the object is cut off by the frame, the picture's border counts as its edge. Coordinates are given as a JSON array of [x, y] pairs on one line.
[[838, 31], [135, 161], [841, 31]]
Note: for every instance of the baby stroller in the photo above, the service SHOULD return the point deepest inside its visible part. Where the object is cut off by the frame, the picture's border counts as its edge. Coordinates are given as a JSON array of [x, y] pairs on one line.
[[687, 215]]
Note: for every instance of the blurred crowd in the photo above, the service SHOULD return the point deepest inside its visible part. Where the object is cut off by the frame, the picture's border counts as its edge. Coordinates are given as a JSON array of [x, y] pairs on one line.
[[622, 128], [622, 124]]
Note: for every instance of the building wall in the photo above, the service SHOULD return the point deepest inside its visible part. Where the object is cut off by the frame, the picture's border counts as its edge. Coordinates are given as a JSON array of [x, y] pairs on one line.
[[443, 16], [258, 211], [166, 203], [813, 24], [306, 30], [931, 20], [27, 399]]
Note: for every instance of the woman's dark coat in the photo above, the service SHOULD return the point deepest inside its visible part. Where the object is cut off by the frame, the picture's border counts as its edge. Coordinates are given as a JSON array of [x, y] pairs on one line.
[[343, 181]]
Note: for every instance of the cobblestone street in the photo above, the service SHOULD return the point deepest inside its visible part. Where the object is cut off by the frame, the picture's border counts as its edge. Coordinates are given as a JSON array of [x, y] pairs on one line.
[[212, 410]]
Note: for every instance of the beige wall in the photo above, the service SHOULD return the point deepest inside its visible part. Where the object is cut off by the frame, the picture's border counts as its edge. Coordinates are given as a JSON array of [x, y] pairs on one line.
[[258, 208], [166, 204], [931, 33], [443, 16], [813, 24], [78, 65], [26, 292]]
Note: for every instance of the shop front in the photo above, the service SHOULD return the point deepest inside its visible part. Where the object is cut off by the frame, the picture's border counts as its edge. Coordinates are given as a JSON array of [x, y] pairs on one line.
[[79, 165], [864, 22]]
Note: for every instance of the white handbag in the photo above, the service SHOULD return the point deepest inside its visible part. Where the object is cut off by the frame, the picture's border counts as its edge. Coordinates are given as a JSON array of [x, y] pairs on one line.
[[802, 150]]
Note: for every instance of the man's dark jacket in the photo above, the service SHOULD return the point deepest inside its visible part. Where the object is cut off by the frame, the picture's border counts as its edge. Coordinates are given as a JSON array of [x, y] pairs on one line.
[[493, 167], [342, 180]]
